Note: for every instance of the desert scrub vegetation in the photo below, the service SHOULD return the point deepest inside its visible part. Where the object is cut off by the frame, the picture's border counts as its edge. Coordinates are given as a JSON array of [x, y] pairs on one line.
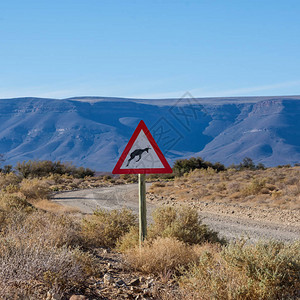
[[172, 242], [161, 256], [41, 252], [268, 188], [265, 270], [182, 224], [104, 228], [43, 168], [206, 268]]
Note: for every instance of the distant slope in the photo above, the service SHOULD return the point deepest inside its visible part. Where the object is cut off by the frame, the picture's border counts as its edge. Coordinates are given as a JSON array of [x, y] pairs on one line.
[[93, 131]]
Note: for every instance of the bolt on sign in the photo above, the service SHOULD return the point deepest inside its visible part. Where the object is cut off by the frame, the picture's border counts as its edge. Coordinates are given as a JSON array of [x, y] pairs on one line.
[[142, 156]]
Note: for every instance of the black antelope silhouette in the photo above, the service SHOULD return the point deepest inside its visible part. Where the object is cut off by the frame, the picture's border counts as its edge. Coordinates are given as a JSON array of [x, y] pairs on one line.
[[137, 152]]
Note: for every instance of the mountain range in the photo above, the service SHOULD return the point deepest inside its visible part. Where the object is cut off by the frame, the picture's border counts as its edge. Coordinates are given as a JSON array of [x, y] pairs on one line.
[[93, 131]]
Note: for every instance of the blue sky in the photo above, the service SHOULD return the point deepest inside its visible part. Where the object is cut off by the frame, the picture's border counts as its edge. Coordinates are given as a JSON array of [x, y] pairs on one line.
[[149, 49]]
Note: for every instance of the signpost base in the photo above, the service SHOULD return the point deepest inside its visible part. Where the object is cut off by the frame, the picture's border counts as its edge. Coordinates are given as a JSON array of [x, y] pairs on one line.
[[142, 208]]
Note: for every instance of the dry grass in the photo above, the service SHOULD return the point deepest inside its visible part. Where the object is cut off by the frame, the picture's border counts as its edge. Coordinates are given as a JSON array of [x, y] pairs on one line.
[[240, 271], [181, 223], [39, 252], [29, 268], [129, 240], [34, 189], [51, 206], [161, 256], [270, 188], [104, 228]]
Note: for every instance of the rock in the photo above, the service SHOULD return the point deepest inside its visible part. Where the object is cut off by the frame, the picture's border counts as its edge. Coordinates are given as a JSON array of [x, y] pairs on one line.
[[78, 297], [134, 282], [56, 297], [120, 282], [107, 279], [109, 265]]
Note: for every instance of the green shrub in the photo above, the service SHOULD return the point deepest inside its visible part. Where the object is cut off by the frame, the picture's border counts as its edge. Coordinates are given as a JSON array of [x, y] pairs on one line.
[[182, 166], [104, 228], [43, 168]]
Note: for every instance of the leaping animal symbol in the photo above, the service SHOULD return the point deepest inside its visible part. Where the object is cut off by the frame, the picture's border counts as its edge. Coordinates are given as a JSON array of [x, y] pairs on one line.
[[137, 152]]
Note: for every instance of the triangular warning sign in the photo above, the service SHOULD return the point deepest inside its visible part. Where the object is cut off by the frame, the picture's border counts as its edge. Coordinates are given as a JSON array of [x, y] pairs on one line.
[[142, 155]]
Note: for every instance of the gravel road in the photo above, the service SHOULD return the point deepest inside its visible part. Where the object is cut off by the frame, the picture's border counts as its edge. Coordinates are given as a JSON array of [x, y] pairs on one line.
[[121, 196]]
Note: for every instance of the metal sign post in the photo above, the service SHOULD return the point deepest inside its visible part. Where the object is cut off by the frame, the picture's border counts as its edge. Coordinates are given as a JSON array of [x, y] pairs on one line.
[[142, 208], [142, 156]]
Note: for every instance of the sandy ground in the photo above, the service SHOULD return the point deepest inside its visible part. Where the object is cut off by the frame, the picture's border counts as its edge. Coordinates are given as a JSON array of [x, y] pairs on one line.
[[229, 226]]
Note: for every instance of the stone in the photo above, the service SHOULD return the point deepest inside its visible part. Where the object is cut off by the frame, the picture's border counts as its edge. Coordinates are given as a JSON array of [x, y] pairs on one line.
[[107, 279], [120, 282], [56, 296], [135, 282], [78, 297]]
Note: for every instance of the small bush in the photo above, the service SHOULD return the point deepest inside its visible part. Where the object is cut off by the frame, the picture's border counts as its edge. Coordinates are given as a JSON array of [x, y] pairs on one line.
[[209, 278], [34, 189], [9, 179], [16, 201], [104, 228], [128, 240], [130, 178], [26, 267], [239, 271], [34, 169], [254, 188], [183, 224], [182, 166], [55, 230], [161, 256], [272, 268]]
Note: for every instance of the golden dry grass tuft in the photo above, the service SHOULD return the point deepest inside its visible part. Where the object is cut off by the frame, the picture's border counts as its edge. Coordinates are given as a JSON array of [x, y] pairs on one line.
[[50, 206], [161, 256], [34, 189]]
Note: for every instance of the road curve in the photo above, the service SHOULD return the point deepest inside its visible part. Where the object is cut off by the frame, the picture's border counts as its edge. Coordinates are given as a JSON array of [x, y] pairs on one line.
[[126, 196]]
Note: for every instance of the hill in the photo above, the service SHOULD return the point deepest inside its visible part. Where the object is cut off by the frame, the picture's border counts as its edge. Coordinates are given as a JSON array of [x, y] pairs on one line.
[[93, 131]]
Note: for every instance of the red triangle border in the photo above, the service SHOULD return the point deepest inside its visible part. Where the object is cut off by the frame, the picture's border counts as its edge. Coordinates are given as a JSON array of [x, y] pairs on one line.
[[142, 126]]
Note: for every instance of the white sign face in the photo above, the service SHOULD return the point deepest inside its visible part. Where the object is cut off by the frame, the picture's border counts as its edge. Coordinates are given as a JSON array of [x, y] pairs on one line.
[[141, 155]]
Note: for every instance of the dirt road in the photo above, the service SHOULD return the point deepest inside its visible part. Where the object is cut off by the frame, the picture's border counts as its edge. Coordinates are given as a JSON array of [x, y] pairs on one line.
[[120, 196]]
